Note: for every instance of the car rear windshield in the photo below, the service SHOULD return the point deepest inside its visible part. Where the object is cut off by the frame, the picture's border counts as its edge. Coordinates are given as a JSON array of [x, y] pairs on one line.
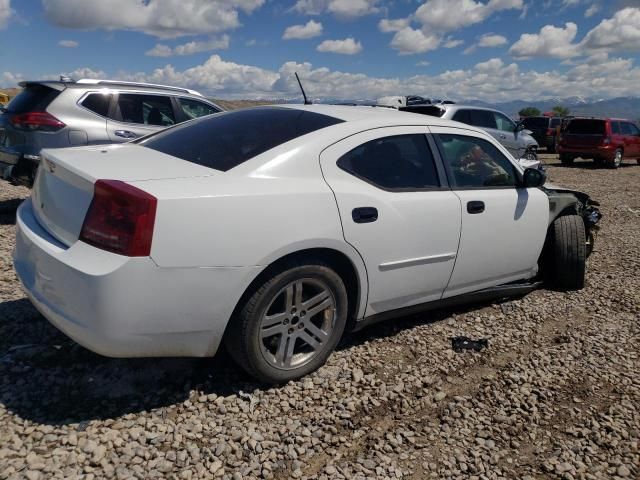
[[432, 110], [585, 126], [226, 140], [536, 122], [34, 98]]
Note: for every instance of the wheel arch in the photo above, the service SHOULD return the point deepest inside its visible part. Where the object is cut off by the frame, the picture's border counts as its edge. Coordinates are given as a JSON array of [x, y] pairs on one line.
[[347, 264]]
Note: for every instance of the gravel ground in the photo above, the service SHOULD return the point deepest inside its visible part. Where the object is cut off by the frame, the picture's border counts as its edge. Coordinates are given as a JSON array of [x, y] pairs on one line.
[[556, 394]]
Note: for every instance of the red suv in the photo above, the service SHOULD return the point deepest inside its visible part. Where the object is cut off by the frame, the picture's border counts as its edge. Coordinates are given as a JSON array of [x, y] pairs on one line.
[[606, 141]]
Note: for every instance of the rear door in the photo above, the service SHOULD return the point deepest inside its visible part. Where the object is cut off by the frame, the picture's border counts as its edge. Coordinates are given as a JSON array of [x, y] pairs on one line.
[[503, 226], [134, 115], [397, 213]]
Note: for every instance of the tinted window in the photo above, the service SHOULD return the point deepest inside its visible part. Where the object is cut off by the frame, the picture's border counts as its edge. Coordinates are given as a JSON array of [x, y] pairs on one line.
[[397, 162], [227, 140], [504, 123], [430, 110], [555, 122], [195, 109], [625, 128], [97, 103], [34, 98], [634, 129], [482, 119], [144, 109], [583, 126], [474, 162], [462, 116], [535, 122], [615, 128]]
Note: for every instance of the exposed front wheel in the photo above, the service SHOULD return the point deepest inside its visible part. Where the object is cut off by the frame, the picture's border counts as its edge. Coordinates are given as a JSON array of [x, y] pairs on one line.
[[617, 159], [569, 253], [290, 324]]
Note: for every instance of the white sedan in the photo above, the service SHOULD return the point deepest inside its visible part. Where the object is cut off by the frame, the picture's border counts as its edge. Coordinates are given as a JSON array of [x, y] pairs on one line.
[[273, 229]]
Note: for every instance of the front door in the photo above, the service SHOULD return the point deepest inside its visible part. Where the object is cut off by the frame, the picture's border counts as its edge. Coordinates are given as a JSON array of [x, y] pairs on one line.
[[503, 226], [395, 213]]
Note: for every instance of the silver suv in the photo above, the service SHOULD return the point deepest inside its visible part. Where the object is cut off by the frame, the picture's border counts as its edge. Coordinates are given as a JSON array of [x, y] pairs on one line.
[[67, 113], [512, 135]]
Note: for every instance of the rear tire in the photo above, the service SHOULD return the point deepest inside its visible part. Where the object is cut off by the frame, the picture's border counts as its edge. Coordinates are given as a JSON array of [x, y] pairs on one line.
[[569, 253], [617, 159], [566, 159], [274, 338]]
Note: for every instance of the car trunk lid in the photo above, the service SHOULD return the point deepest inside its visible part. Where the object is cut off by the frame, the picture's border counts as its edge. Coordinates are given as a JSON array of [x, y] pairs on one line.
[[64, 185], [584, 133]]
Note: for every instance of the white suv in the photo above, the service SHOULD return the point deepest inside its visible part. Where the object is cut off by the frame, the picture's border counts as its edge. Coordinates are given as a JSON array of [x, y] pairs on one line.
[[272, 229]]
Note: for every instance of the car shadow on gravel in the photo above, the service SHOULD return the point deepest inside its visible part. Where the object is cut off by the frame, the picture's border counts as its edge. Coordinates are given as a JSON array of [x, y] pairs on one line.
[[47, 378], [8, 210]]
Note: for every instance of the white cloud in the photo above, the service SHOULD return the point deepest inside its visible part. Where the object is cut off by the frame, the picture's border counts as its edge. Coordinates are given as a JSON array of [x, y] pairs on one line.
[[348, 46], [452, 43], [161, 18], [492, 81], [554, 42], [621, 32], [68, 43], [387, 25], [592, 10], [9, 79], [302, 32], [190, 48], [490, 41], [451, 15], [423, 63], [343, 9], [409, 41], [5, 13]]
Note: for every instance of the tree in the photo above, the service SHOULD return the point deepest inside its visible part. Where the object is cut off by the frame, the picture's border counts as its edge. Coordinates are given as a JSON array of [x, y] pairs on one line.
[[561, 111], [529, 112]]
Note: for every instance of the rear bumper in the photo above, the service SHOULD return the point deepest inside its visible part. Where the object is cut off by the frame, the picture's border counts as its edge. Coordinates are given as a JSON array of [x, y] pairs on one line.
[[125, 307], [606, 152]]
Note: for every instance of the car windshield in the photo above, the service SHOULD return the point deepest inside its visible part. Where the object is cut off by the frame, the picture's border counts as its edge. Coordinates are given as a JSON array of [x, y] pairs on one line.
[[225, 141], [580, 126]]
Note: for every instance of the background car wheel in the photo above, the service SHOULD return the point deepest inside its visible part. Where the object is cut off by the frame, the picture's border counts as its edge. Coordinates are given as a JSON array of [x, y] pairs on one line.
[[290, 325], [617, 159], [566, 159], [531, 155], [569, 252]]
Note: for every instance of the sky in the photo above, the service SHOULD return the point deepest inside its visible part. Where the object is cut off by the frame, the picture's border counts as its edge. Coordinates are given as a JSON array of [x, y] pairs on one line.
[[492, 50]]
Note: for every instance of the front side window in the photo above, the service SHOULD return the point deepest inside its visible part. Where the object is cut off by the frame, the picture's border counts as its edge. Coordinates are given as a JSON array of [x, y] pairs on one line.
[[504, 123], [628, 129], [396, 162], [144, 109], [195, 109], [476, 163], [634, 129], [482, 119]]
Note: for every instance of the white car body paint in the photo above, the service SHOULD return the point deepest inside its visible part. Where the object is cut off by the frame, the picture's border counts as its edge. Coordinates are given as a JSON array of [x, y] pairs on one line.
[[216, 231]]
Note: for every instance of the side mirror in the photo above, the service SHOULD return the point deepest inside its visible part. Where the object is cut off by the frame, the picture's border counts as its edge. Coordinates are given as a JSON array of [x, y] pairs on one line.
[[519, 127], [533, 178]]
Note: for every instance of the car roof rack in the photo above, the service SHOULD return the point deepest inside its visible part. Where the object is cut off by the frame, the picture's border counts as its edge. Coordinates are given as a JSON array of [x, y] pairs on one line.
[[93, 81]]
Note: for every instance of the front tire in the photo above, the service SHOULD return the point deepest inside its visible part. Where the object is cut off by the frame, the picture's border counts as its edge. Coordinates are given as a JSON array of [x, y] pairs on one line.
[[617, 159], [290, 324], [569, 253]]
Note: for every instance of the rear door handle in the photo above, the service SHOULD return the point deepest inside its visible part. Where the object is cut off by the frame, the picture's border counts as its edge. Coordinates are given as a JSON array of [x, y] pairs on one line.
[[475, 207], [364, 214], [125, 134]]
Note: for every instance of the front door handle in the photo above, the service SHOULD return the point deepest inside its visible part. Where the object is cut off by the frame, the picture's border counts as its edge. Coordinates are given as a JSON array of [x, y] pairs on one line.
[[502, 136], [125, 134], [364, 214], [475, 207]]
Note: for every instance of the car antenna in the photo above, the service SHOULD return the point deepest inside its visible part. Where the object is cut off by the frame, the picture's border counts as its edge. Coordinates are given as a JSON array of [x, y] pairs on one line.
[[304, 95]]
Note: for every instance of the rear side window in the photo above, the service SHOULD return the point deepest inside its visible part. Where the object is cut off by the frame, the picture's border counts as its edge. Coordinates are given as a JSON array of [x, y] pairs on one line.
[[97, 103], [475, 163], [462, 116], [396, 162], [482, 119], [34, 98], [144, 109], [580, 126], [195, 109], [225, 141]]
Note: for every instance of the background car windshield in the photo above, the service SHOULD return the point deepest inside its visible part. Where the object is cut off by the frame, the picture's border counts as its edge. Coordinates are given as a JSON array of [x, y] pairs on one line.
[[224, 141], [586, 127]]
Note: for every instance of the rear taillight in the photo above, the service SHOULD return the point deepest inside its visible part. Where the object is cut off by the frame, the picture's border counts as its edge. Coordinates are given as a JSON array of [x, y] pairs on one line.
[[120, 219], [42, 121], [550, 131]]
